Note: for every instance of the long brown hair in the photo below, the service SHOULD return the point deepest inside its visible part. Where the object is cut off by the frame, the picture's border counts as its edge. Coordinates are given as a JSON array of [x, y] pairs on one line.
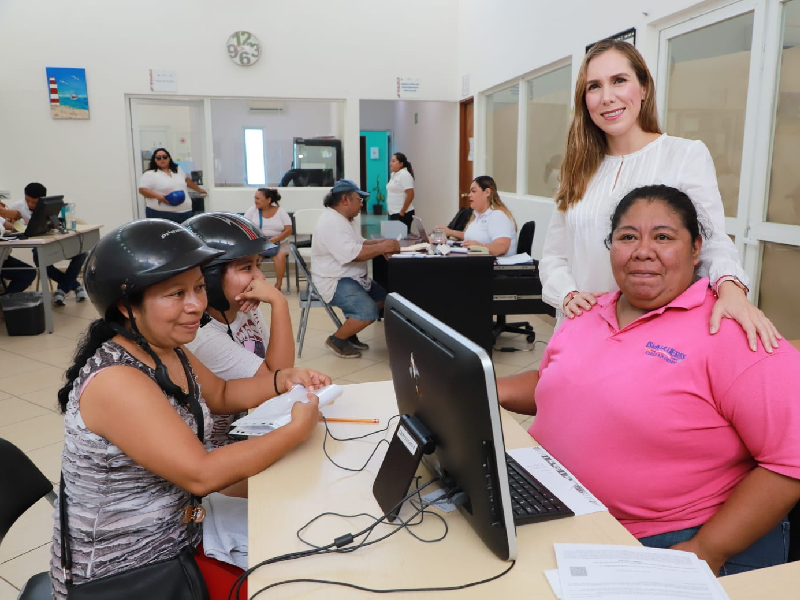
[[485, 182], [586, 142]]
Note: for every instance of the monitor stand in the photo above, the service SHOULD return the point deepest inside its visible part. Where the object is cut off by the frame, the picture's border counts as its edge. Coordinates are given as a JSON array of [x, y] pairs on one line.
[[56, 223], [410, 442]]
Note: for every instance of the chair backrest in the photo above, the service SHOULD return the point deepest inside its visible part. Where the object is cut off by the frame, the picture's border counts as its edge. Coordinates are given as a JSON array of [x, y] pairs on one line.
[[300, 262], [525, 238], [22, 485], [305, 220], [459, 222]]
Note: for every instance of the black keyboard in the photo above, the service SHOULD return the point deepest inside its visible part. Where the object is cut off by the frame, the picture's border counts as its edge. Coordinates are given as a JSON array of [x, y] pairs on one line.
[[530, 500]]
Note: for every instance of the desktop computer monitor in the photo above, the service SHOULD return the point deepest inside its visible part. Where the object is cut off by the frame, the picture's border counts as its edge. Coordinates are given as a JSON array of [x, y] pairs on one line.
[[44, 216], [447, 383]]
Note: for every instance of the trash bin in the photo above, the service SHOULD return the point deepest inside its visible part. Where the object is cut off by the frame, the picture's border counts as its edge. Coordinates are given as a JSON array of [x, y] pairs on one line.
[[23, 312]]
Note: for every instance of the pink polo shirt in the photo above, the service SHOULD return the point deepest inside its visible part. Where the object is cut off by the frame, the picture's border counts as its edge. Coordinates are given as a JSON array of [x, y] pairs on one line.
[[661, 420]]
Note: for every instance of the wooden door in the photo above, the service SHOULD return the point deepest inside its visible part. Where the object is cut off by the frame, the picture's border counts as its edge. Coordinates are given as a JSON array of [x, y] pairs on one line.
[[465, 158]]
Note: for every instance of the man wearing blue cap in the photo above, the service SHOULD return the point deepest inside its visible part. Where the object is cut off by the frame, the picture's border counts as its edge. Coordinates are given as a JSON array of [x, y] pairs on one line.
[[339, 258]]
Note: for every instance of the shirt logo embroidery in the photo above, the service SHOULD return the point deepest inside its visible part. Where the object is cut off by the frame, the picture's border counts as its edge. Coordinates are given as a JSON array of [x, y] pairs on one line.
[[666, 353]]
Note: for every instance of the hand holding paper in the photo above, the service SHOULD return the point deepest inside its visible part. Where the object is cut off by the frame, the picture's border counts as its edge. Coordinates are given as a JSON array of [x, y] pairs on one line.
[[277, 412]]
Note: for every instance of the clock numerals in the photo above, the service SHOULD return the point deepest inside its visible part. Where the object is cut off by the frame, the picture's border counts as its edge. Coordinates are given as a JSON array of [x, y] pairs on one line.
[[242, 37], [256, 50], [244, 58], [244, 48], [233, 50]]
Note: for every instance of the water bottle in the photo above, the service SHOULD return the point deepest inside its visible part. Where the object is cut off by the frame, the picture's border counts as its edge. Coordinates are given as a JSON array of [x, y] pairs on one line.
[[70, 216]]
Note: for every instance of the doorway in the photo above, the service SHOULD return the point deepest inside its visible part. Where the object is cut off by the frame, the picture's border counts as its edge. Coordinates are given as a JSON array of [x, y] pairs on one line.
[[375, 148], [466, 150]]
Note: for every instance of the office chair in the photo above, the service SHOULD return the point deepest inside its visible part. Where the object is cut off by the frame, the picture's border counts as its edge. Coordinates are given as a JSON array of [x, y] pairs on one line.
[[22, 485], [459, 222], [309, 298], [524, 244], [303, 223]]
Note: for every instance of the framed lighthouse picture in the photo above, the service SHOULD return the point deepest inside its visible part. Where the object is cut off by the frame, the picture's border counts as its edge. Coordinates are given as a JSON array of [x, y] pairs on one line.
[[68, 95]]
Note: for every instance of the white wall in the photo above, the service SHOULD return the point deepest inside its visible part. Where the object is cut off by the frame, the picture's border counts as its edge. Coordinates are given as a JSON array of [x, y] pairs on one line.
[[311, 49]]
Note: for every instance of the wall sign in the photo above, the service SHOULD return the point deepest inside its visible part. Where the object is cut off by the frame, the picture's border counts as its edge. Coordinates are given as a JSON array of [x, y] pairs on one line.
[[629, 35]]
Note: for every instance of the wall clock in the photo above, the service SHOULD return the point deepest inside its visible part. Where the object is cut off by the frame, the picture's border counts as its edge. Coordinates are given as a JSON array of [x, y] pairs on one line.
[[244, 48]]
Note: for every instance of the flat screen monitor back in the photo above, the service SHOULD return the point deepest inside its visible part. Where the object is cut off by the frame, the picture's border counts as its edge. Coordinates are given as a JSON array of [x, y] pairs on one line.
[[447, 382], [40, 222]]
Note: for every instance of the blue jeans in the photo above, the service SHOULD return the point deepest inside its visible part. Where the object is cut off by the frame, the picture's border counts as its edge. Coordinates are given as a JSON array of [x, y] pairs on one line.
[[67, 280], [356, 302], [772, 549], [178, 217]]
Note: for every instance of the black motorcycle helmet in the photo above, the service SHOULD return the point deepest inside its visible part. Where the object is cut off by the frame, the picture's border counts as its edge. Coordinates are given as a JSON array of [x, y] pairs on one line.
[[129, 260], [237, 238], [137, 255]]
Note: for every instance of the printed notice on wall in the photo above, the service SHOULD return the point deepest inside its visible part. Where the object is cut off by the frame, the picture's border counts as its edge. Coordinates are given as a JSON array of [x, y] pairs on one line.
[[163, 81], [407, 87]]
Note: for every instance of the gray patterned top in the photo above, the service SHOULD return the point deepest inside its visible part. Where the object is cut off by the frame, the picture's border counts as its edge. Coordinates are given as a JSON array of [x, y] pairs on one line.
[[121, 515]]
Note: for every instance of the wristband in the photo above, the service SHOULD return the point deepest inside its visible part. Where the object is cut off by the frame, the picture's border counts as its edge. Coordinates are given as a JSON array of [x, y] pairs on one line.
[[723, 279], [275, 381]]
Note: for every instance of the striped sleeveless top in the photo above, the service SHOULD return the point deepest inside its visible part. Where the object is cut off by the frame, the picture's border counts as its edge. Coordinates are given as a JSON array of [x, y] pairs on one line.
[[120, 514]]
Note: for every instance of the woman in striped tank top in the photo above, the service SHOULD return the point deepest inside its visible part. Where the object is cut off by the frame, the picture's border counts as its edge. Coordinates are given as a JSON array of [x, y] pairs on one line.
[[132, 459]]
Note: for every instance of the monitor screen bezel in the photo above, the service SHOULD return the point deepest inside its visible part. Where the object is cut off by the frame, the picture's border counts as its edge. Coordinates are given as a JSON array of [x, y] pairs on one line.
[[39, 223]]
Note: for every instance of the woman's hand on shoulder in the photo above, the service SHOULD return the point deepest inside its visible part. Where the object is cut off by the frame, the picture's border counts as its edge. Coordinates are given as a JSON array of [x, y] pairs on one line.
[[578, 302], [305, 416], [733, 304], [308, 378], [258, 291]]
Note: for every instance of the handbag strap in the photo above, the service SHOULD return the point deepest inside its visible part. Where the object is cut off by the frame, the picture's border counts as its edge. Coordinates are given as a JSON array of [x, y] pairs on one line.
[[197, 413]]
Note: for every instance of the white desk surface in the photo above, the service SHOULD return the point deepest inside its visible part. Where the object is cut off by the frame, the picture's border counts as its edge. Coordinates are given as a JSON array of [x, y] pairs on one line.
[[50, 237], [305, 484]]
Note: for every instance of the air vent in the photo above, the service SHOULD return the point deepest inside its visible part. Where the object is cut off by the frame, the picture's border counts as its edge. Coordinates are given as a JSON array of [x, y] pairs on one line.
[[265, 107]]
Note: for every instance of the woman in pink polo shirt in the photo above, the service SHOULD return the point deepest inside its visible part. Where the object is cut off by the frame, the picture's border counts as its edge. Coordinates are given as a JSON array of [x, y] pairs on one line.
[[690, 439]]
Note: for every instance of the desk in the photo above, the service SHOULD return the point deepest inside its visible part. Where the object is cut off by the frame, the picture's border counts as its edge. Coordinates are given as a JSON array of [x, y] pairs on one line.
[[53, 248], [305, 484]]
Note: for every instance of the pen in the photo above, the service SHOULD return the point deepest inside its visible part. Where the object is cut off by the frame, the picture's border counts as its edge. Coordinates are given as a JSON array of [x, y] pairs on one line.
[[338, 420]]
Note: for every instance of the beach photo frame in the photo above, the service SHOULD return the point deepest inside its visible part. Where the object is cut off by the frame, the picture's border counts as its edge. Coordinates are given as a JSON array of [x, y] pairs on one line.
[[69, 98]]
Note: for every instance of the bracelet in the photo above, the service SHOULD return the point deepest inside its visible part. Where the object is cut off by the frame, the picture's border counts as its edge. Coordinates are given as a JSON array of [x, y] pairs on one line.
[[569, 297], [731, 278], [275, 381]]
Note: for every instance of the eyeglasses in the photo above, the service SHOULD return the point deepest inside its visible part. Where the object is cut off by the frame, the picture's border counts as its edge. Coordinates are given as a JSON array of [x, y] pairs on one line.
[[162, 157]]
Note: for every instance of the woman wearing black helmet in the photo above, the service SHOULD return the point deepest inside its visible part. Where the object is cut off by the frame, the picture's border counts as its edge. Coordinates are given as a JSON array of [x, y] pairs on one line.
[[234, 340], [133, 465]]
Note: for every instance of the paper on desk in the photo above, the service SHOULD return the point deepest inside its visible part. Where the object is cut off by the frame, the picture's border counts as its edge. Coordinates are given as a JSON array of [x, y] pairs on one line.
[[606, 572], [277, 412], [459, 250], [538, 462], [555, 583], [517, 259]]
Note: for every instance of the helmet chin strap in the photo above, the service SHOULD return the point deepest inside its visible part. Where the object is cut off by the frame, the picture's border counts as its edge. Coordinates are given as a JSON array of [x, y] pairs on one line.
[[162, 375]]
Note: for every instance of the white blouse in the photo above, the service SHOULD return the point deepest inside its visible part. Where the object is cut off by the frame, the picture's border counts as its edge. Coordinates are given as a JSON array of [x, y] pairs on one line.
[[575, 256]]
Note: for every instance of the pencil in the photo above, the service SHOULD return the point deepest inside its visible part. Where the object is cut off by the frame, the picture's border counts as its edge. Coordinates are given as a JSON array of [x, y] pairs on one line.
[[338, 420]]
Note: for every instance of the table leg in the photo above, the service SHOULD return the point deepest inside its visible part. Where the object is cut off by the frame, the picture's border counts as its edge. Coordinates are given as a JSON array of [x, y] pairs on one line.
[[46, 299]]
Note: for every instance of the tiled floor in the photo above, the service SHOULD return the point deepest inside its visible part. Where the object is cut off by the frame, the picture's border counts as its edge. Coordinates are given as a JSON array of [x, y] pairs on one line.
[[31, 370]]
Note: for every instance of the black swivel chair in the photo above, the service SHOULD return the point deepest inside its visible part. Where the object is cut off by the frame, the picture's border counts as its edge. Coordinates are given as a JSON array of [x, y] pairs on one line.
[[459, 222], [524, 244], [22, 485]]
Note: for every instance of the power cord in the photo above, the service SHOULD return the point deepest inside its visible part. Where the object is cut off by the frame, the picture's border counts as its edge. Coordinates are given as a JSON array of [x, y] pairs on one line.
[[350, 439]]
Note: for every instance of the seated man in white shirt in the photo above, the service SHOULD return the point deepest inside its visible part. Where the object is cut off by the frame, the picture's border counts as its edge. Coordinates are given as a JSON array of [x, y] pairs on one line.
[[339, 267], [67, 280]]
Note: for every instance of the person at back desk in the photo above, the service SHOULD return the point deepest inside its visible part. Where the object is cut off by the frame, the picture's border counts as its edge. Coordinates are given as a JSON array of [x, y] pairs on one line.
[[491, 224], [339, 267], [691, 439], [67, 281], [17, 273]]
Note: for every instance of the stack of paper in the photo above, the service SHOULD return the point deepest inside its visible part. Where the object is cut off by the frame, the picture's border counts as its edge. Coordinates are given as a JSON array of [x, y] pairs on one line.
[[277, 412], [605, 572]]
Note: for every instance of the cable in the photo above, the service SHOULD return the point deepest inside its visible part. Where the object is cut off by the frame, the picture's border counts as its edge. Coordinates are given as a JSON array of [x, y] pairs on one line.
[[334, 546], [515, 349], [350, 439], [389, 590]]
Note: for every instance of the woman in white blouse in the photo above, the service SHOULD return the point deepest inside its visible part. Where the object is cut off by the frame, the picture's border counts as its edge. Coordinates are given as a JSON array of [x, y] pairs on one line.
[[400, 190], [615, 145], [275, 223], [166, 188], [491, 224]]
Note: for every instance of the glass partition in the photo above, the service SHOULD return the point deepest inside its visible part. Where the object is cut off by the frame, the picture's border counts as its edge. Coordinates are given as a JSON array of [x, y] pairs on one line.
[[501, 137]]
